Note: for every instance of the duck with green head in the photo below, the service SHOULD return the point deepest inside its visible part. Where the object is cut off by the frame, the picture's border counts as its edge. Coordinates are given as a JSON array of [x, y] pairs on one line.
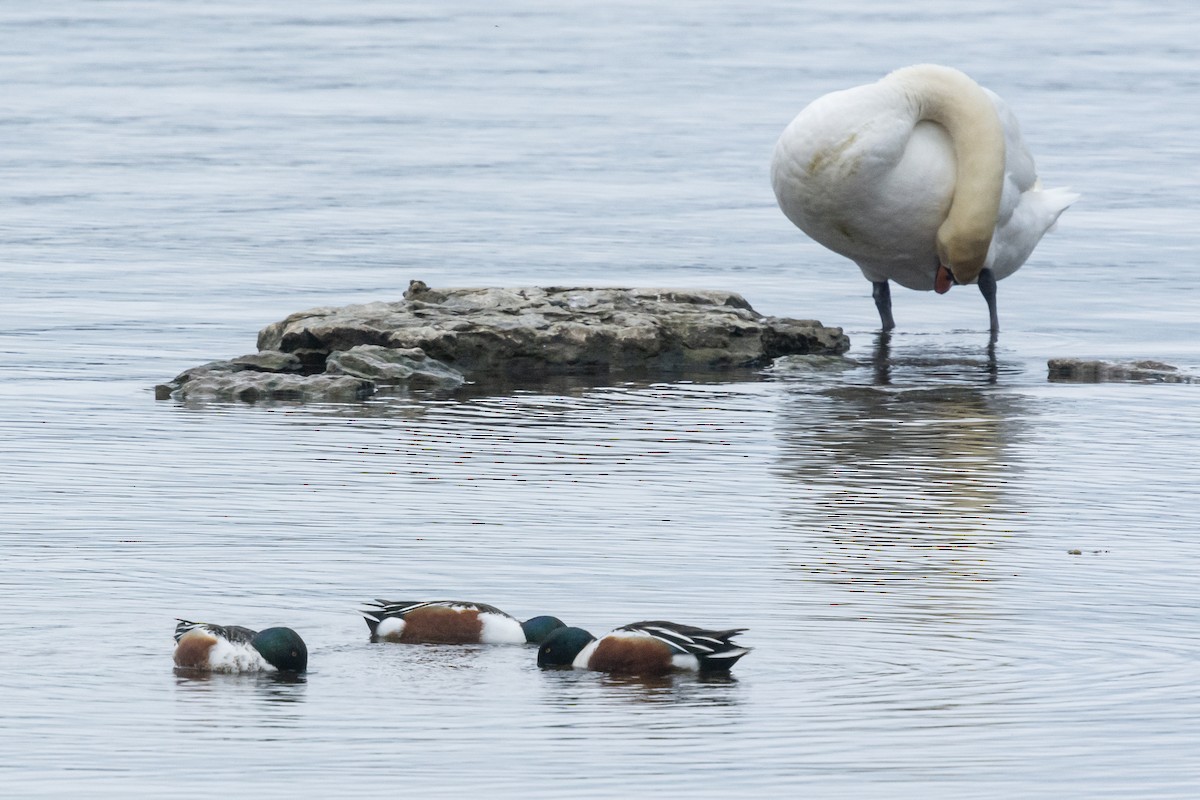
[[644, 648], [232, 648]]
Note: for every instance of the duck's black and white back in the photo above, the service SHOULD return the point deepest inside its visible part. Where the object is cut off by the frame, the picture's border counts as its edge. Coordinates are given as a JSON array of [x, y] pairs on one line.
[[692, 648]]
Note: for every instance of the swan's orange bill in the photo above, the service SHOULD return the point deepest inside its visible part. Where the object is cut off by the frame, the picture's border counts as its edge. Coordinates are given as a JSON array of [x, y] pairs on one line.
[[943, 280]]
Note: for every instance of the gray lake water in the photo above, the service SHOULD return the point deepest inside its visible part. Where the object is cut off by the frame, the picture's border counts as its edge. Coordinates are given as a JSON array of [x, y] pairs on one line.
[[893, 529]]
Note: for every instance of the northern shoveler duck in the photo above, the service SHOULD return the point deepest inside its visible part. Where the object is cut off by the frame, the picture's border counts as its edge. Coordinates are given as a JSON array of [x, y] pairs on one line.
[[232, 648], [643, 648], [452, 622]]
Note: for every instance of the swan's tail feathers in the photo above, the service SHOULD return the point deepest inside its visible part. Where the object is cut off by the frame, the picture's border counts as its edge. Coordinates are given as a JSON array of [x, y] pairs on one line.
[[1057, 201], [1061, 196]]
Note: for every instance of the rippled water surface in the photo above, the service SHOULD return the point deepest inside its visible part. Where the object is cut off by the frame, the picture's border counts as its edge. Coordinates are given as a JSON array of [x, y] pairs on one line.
[[960, 579]]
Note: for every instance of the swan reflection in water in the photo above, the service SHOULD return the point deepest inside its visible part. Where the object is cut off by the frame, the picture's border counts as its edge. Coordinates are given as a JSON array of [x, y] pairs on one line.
[[900, 467]]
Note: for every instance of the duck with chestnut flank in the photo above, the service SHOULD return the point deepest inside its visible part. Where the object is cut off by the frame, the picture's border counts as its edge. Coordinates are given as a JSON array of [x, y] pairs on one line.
[[643, 648], [232, 648], [452, 622]]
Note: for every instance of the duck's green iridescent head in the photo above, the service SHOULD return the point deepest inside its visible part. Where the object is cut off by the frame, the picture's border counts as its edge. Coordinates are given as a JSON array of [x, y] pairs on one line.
[[538, 628], [282, 648], [562, 646]]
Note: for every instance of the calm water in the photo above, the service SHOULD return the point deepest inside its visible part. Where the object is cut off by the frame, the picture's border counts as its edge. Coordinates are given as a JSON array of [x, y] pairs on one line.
[[894, 529]]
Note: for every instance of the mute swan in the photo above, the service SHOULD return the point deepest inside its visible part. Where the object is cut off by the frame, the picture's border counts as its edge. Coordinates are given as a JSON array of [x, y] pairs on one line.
[[921, 178]]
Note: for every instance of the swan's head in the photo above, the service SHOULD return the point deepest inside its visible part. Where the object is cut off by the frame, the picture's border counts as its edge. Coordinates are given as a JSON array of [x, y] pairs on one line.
[[969, 115], [962, 252]]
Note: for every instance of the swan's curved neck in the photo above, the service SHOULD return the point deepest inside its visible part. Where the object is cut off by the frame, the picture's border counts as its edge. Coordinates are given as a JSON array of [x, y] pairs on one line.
[[954, 101]]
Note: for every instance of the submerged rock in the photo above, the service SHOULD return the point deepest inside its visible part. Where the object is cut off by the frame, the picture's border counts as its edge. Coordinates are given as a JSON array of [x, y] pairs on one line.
[[1075, 370], [440, 338], [266, 375], [393, 366], [253, 387]]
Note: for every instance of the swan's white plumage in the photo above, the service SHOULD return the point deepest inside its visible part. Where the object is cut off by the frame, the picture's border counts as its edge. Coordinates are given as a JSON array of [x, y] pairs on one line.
[[866, 174]]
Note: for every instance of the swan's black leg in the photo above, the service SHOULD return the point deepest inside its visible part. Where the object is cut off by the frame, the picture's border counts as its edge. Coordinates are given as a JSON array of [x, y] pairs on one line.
[[882, 360], [987, 287], [883, 301]]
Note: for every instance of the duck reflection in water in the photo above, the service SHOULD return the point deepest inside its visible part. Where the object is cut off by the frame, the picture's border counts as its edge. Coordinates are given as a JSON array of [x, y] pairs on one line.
[[276, 696], [672, 688], [568, 688]]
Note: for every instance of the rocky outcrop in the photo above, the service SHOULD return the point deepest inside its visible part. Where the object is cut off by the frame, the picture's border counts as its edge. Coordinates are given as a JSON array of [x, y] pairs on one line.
[[1074, 370], [439, 338]]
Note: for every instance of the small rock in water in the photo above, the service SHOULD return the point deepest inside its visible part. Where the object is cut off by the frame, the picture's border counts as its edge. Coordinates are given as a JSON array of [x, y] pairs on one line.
[[1075, 370]]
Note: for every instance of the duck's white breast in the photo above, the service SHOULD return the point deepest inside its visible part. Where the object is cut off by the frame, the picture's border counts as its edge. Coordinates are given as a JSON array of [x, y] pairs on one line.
[[500, 629], [227, 656], [585, 655]]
